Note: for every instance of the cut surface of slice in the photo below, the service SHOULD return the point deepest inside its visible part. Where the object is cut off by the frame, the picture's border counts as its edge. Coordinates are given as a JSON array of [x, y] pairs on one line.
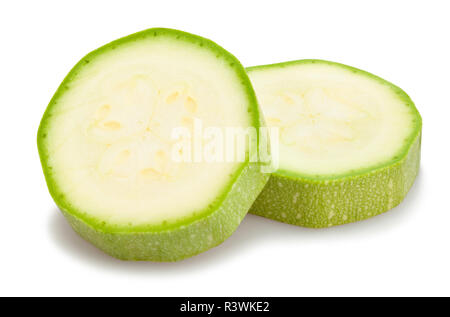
[[349, 145], [106, 145]]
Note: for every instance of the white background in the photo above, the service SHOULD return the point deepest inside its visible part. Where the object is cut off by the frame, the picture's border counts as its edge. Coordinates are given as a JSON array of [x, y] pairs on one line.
[[403, 252]]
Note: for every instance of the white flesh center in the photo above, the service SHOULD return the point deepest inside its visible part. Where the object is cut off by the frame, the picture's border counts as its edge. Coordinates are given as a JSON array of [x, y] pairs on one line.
[[331, 120], [110, 136]]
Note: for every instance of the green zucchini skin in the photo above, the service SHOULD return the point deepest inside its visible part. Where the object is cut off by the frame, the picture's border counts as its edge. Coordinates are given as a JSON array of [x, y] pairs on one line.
[[319, 204], [181, 242]]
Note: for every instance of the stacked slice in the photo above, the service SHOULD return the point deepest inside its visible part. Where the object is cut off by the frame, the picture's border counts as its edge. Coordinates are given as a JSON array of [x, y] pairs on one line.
[[349, 145]]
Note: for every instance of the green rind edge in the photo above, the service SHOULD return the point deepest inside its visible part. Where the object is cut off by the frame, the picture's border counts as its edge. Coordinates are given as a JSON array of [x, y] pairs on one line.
[[319, 202], [111, 238], [187, 240]]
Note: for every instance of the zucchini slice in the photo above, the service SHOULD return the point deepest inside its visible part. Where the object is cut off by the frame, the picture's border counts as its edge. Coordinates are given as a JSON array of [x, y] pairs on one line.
[[106, 141], [349, 145]]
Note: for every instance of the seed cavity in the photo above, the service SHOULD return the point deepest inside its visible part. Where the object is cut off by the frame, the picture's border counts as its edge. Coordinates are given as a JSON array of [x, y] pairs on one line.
[[112, 125], [186, 121], [160, 155], [288, 100], [172, 97], [273, 120], [122, 157], [151, 173], [103, 112], [190, 105]]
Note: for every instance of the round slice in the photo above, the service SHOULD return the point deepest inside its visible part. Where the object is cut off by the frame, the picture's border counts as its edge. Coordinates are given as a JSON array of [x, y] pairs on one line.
[[349, 143], [106, 144]]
